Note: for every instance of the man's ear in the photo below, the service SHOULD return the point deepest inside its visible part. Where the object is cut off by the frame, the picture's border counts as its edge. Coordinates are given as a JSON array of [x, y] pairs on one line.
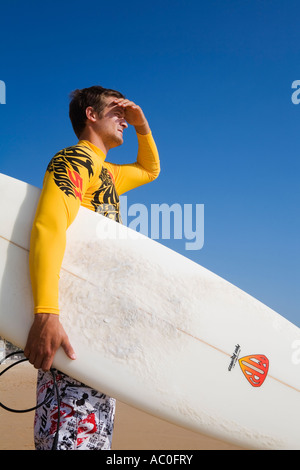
[[91, 113]]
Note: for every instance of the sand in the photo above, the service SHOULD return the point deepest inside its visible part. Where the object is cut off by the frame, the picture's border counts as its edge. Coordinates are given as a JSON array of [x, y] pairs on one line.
[[134, 430]]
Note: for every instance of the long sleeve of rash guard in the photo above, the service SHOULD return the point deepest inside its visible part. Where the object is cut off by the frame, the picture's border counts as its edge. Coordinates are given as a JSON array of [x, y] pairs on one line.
[[144, 170], [77, 176], [58, 206]]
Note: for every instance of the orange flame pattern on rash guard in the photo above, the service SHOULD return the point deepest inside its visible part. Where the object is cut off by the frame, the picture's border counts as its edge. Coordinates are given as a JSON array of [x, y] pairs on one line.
[[79, 175]]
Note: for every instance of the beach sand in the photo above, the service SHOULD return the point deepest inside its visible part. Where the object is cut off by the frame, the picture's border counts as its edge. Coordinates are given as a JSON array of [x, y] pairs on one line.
[[134, 430]]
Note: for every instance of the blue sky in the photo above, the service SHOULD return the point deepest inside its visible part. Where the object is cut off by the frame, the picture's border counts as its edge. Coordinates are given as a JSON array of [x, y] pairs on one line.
[[214, 79]]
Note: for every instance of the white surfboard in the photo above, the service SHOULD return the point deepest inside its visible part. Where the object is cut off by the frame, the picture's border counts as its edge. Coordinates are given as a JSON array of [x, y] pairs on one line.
[[156, 330]]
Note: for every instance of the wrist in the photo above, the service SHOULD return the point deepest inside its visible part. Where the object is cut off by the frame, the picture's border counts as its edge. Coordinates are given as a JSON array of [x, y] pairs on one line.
[[143, 129], [45, 317]]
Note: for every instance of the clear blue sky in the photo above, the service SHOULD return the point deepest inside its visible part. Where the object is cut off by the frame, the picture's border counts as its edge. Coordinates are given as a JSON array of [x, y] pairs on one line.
[[214, 80]]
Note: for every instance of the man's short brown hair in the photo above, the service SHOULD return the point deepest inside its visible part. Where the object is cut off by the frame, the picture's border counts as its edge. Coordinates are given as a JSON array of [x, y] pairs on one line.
[[81, 99]]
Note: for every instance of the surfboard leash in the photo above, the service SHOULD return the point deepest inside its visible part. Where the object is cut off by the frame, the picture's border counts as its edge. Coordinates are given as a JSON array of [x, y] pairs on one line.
[[53, 391]]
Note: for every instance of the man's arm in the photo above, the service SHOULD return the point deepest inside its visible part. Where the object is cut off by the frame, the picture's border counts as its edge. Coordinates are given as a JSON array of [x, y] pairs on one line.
[[147, 166], [58, 206], [48, 239]]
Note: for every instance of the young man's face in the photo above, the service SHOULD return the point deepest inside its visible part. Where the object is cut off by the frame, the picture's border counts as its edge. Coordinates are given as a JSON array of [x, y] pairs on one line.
[[111, 124]]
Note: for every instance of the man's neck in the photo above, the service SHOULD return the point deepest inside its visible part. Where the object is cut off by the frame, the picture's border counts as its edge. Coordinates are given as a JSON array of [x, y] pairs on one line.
[[94, 139]]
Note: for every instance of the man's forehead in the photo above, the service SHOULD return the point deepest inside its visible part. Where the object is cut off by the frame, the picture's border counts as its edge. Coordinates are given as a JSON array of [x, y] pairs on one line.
[[109, 101], [110, 104]]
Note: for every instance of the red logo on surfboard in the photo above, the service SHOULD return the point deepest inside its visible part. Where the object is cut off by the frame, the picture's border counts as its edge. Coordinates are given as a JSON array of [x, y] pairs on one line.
[[255, 368]]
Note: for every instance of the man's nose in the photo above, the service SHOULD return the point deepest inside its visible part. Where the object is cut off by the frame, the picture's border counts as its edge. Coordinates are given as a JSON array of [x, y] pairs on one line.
[[124, 123]]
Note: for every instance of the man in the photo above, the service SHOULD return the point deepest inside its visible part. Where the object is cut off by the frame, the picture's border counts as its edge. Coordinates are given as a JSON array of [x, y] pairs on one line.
[[79, 175]]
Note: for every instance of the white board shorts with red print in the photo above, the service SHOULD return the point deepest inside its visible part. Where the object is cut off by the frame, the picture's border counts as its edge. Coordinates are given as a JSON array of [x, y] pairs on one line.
[[86, 416]]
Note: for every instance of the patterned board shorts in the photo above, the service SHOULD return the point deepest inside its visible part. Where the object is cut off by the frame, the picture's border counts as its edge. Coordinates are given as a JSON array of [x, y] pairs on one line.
[[86, 416]]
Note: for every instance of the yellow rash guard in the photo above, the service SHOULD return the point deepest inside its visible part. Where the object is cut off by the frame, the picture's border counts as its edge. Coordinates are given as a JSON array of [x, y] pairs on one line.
[[79, 175]]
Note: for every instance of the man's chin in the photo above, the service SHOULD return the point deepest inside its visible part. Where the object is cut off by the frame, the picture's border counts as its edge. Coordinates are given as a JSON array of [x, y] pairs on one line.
[[118, 141]]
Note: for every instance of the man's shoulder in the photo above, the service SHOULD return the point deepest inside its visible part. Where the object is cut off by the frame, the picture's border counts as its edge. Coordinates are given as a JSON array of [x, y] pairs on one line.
[[75, 158], [76, 150]]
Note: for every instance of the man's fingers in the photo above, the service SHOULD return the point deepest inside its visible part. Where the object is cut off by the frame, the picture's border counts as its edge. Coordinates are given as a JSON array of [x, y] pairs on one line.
[[125, 103], [45, 337], [66, 345], [46, 363], [35, 360]]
